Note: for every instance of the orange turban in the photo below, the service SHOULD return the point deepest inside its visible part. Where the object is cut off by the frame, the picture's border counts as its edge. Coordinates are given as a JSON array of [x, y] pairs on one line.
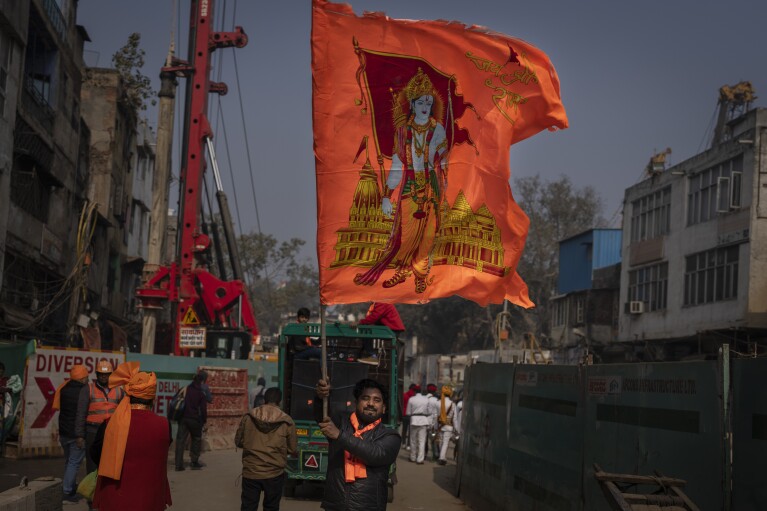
[[78, 372], [136, 384]]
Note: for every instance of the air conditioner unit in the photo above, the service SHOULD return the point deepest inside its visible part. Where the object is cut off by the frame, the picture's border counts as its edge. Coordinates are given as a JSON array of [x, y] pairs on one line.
[[636, 307]]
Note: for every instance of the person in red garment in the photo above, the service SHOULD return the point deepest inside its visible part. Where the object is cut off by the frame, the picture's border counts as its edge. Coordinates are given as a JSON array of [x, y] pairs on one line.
[[132, 448], [384, 314]]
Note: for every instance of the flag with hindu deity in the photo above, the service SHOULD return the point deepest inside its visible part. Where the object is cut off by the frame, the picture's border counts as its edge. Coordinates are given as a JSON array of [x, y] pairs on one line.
[[413, 121]]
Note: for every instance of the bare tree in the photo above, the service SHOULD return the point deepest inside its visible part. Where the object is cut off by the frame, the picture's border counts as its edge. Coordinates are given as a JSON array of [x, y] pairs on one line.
[[557, 210]]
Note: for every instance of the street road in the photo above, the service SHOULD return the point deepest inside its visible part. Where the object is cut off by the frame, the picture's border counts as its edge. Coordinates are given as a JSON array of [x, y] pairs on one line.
[[421, 487]]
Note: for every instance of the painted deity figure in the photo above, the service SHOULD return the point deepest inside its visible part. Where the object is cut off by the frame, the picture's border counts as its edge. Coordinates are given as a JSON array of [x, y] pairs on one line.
[[419, 171]]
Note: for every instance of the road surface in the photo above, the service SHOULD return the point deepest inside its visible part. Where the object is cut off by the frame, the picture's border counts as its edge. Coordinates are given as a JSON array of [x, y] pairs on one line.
[[217, 486]]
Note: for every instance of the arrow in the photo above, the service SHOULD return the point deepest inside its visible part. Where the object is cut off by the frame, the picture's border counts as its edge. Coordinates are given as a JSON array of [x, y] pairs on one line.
[[48, 391]]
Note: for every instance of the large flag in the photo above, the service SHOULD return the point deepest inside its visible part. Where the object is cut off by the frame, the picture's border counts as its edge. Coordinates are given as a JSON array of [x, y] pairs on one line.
[[413, 121]]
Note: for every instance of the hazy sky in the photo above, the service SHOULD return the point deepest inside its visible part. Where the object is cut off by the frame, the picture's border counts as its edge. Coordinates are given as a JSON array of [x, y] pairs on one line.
[[636, 77]]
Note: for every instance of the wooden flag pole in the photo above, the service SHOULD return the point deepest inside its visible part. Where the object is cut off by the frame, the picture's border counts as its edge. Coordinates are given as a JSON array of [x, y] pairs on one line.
[[324, 359]]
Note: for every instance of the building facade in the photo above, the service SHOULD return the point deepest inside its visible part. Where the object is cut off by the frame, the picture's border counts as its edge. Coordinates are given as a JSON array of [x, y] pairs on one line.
[[121, 171], [584, 314], [42, 173], [694, 274]]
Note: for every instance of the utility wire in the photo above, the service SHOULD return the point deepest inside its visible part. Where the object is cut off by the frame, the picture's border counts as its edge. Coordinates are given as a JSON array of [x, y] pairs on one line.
[[247, 145]]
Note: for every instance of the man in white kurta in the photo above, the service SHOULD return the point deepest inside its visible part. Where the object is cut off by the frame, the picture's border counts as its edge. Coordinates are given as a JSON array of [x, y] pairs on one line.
[[420, 423]]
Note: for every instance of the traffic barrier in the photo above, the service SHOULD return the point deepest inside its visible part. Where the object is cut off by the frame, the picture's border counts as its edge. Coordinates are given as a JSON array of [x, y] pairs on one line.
[[749, 428], [665, 417], [47, 368], [42, 494], [532, 434]]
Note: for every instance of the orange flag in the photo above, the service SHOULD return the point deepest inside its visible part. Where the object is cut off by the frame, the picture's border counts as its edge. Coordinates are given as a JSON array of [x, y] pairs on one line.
[[434, 106]]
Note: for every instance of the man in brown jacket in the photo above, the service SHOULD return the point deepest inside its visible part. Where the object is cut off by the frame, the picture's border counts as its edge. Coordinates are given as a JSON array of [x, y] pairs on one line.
[[266, 435]]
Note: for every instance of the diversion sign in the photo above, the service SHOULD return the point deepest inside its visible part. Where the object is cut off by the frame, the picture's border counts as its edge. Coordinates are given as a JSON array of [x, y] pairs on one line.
[[46, 370]]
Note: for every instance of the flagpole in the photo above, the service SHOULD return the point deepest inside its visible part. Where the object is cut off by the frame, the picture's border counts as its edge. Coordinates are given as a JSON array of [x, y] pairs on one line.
[[324, 359]]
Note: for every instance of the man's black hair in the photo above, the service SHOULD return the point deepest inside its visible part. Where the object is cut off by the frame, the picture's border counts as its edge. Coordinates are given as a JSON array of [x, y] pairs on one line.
[[412, 386], [139, 401], [272, 396], [303, 311], [367, 383], [201, 377]]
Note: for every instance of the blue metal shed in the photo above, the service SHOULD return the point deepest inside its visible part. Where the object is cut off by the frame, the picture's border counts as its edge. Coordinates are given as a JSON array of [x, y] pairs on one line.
[[583, 253]]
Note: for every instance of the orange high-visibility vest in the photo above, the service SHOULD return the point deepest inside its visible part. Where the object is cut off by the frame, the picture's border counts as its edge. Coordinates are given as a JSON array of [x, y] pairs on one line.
[[100, 407]]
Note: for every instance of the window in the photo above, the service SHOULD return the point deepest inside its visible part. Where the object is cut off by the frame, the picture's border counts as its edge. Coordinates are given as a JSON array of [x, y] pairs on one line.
[[715, 190], [41, 63], [651, 215], [559, 313], [6, 51], [711, 276], [650, 285], [580, 303], [31, 188]]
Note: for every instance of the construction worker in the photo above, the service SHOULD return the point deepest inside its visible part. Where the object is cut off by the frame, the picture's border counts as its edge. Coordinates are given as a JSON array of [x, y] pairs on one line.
[[101, 405]]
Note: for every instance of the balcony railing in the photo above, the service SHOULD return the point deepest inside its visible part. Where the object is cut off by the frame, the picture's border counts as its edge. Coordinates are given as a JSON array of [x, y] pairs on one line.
[[37, 106], [56, 18]]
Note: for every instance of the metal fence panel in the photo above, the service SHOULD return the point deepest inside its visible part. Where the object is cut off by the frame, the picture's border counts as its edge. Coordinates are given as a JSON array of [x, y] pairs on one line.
[[661, 417], [544, 439], [749, 434], [484, 465]]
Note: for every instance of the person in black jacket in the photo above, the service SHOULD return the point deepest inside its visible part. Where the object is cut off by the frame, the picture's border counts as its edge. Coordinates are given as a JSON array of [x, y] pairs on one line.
[[71, 399], [193, 422], [360, 452]]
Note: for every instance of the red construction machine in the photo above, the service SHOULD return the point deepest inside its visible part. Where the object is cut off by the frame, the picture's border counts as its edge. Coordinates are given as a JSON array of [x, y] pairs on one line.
[[208, 313]]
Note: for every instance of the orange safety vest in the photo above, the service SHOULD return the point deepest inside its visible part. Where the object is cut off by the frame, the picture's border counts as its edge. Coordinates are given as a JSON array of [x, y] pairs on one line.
[[101, 408]]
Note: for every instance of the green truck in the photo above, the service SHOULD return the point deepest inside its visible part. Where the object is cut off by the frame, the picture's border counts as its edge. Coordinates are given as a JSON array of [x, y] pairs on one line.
[[297, 380]]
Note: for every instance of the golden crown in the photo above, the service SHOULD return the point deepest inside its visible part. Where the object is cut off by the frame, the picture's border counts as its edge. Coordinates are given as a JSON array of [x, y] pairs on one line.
[[418, 86]]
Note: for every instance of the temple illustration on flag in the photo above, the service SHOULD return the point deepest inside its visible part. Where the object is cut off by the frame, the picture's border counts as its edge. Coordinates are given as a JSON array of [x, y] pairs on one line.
[[466, 238]]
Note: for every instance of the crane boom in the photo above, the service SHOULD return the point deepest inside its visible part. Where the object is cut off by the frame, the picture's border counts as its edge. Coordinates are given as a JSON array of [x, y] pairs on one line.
[[202, 300]]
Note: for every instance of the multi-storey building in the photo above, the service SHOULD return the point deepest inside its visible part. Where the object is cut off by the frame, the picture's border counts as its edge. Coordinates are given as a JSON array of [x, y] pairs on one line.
[[694, 274], [122, 166], [43, 165]]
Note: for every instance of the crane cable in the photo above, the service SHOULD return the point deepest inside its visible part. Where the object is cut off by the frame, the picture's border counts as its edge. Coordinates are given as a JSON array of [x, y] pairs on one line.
[[245, 133]]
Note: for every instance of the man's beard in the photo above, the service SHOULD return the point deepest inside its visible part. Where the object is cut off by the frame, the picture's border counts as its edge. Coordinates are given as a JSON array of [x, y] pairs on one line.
[[368, 419]]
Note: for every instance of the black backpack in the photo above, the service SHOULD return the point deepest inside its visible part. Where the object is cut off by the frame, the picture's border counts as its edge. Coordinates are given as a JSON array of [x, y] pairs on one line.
[[176, 405]]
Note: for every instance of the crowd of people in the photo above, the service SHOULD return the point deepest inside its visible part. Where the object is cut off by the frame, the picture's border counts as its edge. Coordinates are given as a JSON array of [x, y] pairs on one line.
[[431, 422]]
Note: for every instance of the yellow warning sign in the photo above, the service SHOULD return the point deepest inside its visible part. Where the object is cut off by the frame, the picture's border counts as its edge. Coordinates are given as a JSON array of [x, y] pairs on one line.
[[190, 318]]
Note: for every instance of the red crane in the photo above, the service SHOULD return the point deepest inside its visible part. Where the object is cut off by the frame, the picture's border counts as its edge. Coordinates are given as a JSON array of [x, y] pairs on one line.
[[205, 306]]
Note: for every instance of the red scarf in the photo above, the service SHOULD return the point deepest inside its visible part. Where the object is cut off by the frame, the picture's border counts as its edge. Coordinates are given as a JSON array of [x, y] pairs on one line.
[[353, 468]]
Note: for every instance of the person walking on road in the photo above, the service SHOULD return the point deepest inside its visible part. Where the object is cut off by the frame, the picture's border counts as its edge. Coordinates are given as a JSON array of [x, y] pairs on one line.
[[431, 392], [411, 391], [132, 448], [420, 423], [192, 422], [71, 399], [361, 449], [445, 422], [266, 435], [102, 402]]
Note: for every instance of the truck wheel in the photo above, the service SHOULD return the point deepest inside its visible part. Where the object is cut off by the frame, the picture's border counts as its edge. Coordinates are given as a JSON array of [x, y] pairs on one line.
[[390, 494], [290, 488]]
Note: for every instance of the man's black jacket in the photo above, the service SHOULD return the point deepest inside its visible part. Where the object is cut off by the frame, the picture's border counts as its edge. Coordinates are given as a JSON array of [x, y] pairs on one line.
[[377, 449]]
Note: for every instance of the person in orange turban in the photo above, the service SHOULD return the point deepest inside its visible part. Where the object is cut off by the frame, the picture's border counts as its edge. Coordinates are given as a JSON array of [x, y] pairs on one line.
[[131, 448], [71, 399]]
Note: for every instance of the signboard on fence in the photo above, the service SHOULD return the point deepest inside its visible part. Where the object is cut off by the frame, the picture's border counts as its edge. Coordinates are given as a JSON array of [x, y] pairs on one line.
[[46, 370]]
